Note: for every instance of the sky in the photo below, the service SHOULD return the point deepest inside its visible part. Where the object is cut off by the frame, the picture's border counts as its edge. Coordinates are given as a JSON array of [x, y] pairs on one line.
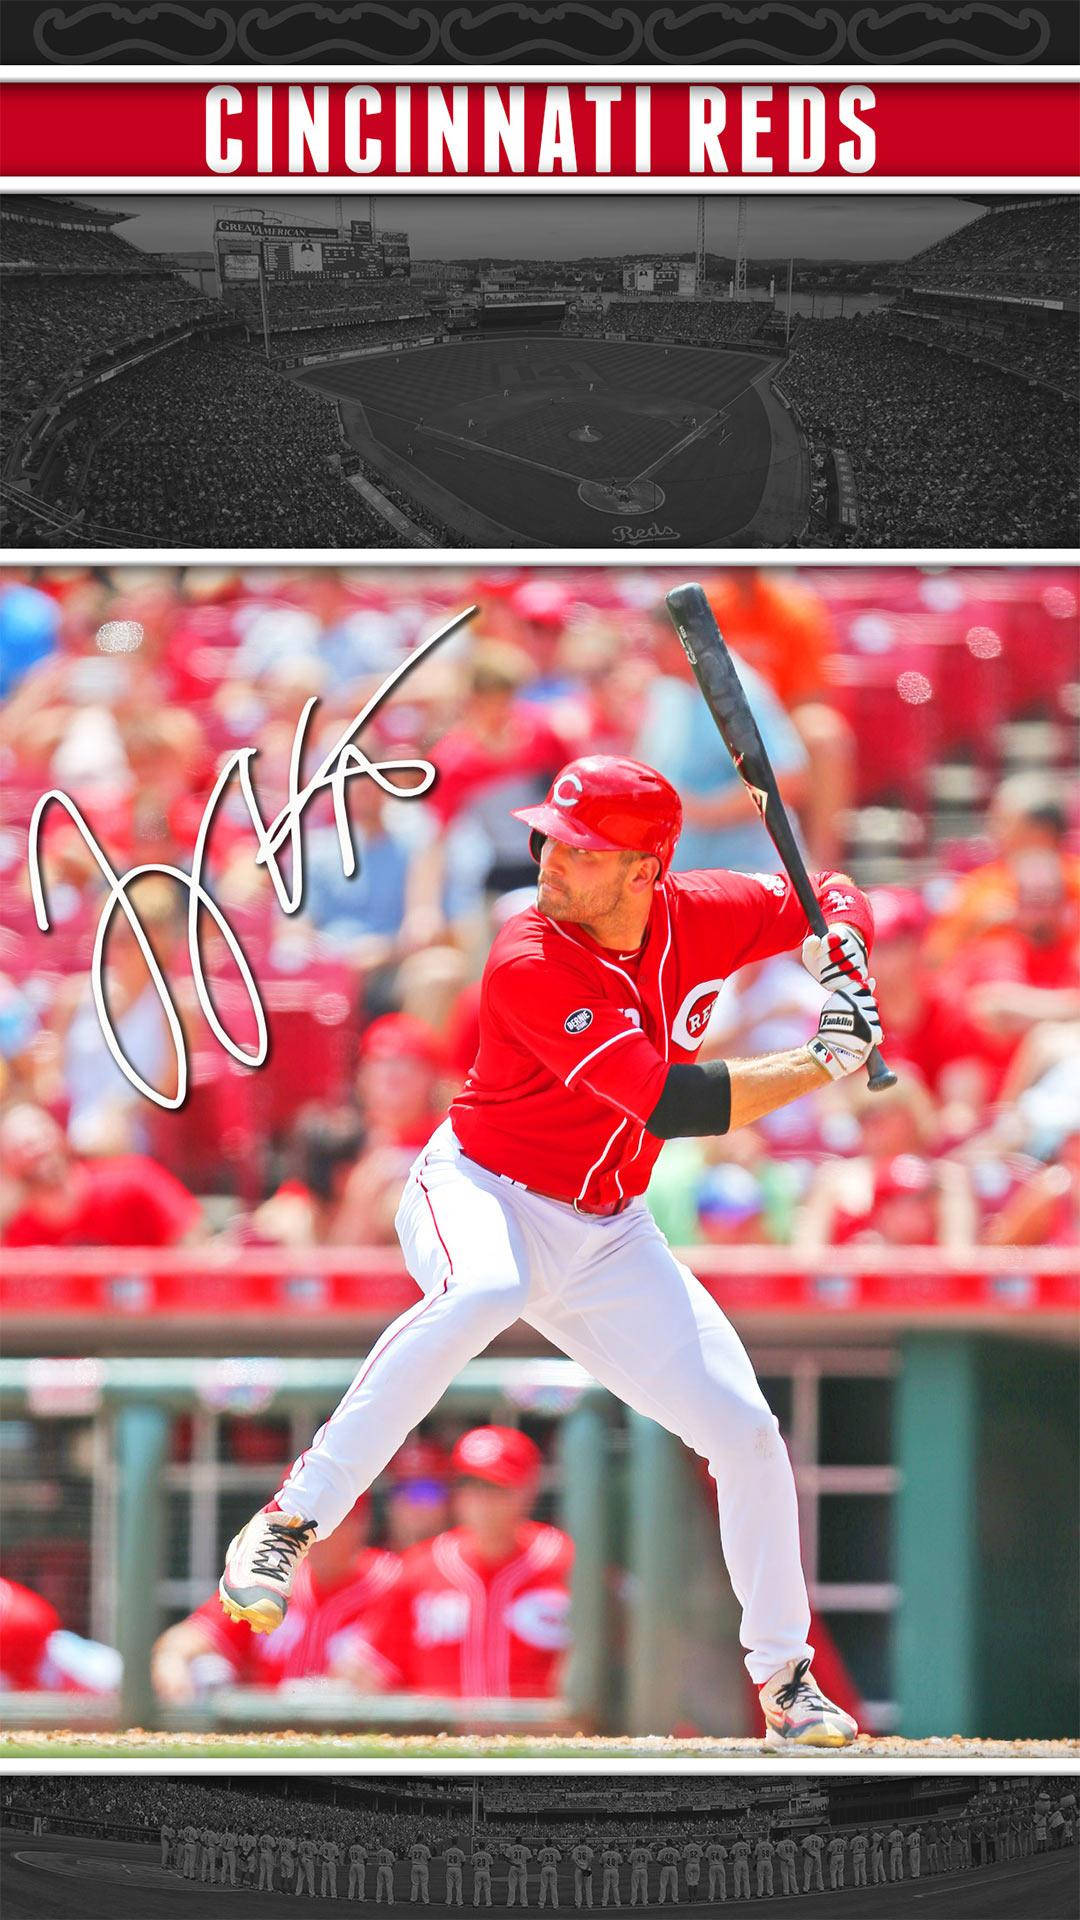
[[564, 226]]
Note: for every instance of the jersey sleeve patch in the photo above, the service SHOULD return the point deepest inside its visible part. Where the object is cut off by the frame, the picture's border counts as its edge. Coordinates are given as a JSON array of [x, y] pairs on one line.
[[578, 1021]]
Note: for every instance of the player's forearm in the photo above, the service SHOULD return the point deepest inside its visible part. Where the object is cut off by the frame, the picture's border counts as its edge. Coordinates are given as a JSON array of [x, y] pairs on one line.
[[761, 1086]]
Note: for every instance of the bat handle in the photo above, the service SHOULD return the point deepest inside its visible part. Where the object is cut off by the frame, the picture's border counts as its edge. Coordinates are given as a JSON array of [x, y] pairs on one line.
[[879, 1076]]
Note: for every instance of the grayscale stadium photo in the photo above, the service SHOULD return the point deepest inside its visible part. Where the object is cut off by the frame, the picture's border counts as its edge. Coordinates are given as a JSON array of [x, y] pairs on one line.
[[884, 1848], [625, 373]]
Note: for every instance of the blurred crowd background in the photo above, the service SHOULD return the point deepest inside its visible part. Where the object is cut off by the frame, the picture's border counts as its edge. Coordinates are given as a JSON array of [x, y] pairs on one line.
[[920, 724]]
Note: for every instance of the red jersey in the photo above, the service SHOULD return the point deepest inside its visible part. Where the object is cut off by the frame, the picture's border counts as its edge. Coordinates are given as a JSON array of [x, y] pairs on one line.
[[459, 1625], [319, 1630], [576, 1040], [125, 1201]]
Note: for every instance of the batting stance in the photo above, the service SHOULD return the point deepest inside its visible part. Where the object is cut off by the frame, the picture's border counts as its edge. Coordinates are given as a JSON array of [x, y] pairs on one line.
[[527, 1201]]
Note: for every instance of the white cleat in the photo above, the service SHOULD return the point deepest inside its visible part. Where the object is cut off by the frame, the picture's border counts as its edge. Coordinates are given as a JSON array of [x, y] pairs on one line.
[[797, 1714], [260, 1567]]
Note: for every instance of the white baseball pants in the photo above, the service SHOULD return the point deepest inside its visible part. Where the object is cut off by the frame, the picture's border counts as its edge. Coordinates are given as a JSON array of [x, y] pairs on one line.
[[486, 1252]]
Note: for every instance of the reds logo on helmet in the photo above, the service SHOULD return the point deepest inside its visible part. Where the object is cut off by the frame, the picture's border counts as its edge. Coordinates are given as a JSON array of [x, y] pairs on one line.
[[689, 1025], [603, 803]]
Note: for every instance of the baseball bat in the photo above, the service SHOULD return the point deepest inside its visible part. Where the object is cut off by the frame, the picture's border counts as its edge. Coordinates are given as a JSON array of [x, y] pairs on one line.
[[714, 670]]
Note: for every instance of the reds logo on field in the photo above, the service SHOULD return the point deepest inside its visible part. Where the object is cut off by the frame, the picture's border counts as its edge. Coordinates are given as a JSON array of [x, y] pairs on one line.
[[577, 1021], [689, 1024]]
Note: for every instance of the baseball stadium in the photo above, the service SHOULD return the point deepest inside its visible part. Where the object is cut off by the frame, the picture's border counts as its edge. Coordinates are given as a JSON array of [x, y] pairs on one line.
[[524, 1557], [308, 386], [136, 1847]]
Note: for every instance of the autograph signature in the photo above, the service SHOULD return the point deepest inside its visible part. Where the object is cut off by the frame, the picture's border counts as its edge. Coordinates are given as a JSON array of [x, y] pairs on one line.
[[343, 762]]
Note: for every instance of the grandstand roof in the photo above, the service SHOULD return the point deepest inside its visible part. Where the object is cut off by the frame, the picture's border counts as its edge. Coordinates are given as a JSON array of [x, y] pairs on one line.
[[36, 207]]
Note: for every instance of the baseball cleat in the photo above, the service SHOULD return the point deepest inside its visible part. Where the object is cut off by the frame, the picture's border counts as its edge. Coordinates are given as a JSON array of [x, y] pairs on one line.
[[260, 1567], [797, 1713]]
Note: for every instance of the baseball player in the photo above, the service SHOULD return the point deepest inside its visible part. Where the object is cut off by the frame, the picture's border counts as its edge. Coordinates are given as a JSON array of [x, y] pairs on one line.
[[331, 1854], [384, 1876], [230, 1853], [896, 1853], [549, 1858], [419, 1867], [813, 1847], [668, 1859], [267, 1856], [454, 1860], [287, 1862], [837, 1850], [611, 1861], [914, 1852], [787, 1853], [207, 1854], [860, 1843], [692, 1858], [357, 1871], [877, 1859], [189, 1865], [517, 1889], [481, 1866], [716, 1855], [528, 1200], [740, 1868], [248, 1845], [764, 1854], [640, 1857], [305, 1866], [933, 1849], [484, 1608], [168, 1838], [583, 1856]]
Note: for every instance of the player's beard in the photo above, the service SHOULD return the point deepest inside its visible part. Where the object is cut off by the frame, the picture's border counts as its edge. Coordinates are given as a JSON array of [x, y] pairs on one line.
[[588, 907]]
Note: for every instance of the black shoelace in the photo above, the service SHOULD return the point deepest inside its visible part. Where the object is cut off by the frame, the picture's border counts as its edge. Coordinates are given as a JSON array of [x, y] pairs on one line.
[[276, 1555], [787, 1695]]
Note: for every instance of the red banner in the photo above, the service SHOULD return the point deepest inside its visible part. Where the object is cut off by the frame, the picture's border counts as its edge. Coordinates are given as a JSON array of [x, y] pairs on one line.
[[892, 129]]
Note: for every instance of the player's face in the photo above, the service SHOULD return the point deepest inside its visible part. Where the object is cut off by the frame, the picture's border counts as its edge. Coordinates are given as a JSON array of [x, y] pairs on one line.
[[586, 886]]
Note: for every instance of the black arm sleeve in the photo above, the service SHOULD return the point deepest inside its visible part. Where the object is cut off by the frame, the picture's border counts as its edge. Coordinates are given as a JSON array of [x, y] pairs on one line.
[[695, 1100]]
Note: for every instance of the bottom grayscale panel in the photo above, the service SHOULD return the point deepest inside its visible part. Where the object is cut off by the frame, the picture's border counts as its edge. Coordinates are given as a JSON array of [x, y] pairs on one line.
[[932, 1848]]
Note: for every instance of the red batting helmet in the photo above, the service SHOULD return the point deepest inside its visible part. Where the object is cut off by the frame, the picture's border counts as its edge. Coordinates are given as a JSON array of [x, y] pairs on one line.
[[609, 805]]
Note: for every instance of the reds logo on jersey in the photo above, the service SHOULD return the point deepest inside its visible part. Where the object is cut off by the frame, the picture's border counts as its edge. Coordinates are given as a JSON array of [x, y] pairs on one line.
[[440, 1619], [541, 1617], [689, 1025]]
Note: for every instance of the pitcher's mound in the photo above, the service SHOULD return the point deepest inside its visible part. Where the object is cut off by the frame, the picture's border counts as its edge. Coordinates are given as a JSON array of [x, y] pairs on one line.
[[586, 434]]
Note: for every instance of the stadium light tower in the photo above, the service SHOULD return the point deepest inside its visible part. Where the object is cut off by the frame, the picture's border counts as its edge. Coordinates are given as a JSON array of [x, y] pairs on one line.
[[699, 250], [740, 247]]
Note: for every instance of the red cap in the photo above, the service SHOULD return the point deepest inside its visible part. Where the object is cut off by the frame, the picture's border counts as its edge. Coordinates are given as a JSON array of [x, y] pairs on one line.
[[396, 1035], [608, 804], [502, 1456], [418, 1460], [899, 913], [26, 1622]]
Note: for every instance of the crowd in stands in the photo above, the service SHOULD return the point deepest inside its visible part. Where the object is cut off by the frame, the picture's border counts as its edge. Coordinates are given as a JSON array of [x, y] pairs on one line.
[[698, 323], [355, 337], [1030, 250], [942, 458], [46, 243], [309, 302], [1048, 354], [207, 446], [256, 1837], [54, 327], [977, 972]]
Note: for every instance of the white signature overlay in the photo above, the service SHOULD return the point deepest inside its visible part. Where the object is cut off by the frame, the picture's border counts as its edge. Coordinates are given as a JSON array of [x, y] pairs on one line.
[[344, 761]]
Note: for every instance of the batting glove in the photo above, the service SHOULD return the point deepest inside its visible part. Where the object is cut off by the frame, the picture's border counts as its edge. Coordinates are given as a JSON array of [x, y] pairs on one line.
[[849, 1026], [836, 957]]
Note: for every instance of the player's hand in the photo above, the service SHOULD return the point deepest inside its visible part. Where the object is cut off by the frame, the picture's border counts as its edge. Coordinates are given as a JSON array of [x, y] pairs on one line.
[[835, 957], [848, 1028]]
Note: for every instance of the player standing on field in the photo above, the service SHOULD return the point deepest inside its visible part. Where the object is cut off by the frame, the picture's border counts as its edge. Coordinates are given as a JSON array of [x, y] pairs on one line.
[[583, 1857], [640, 1857], [549, 1858], [764, 1853], [454, 1860], [481, 1866], [611, 1860], [517, 1888], [528, 1200], [787, 1854], [716, 1855], [384, 1876]]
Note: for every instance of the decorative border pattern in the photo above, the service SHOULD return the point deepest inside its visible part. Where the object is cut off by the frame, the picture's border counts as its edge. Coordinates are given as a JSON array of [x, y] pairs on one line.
[[508, 32]]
